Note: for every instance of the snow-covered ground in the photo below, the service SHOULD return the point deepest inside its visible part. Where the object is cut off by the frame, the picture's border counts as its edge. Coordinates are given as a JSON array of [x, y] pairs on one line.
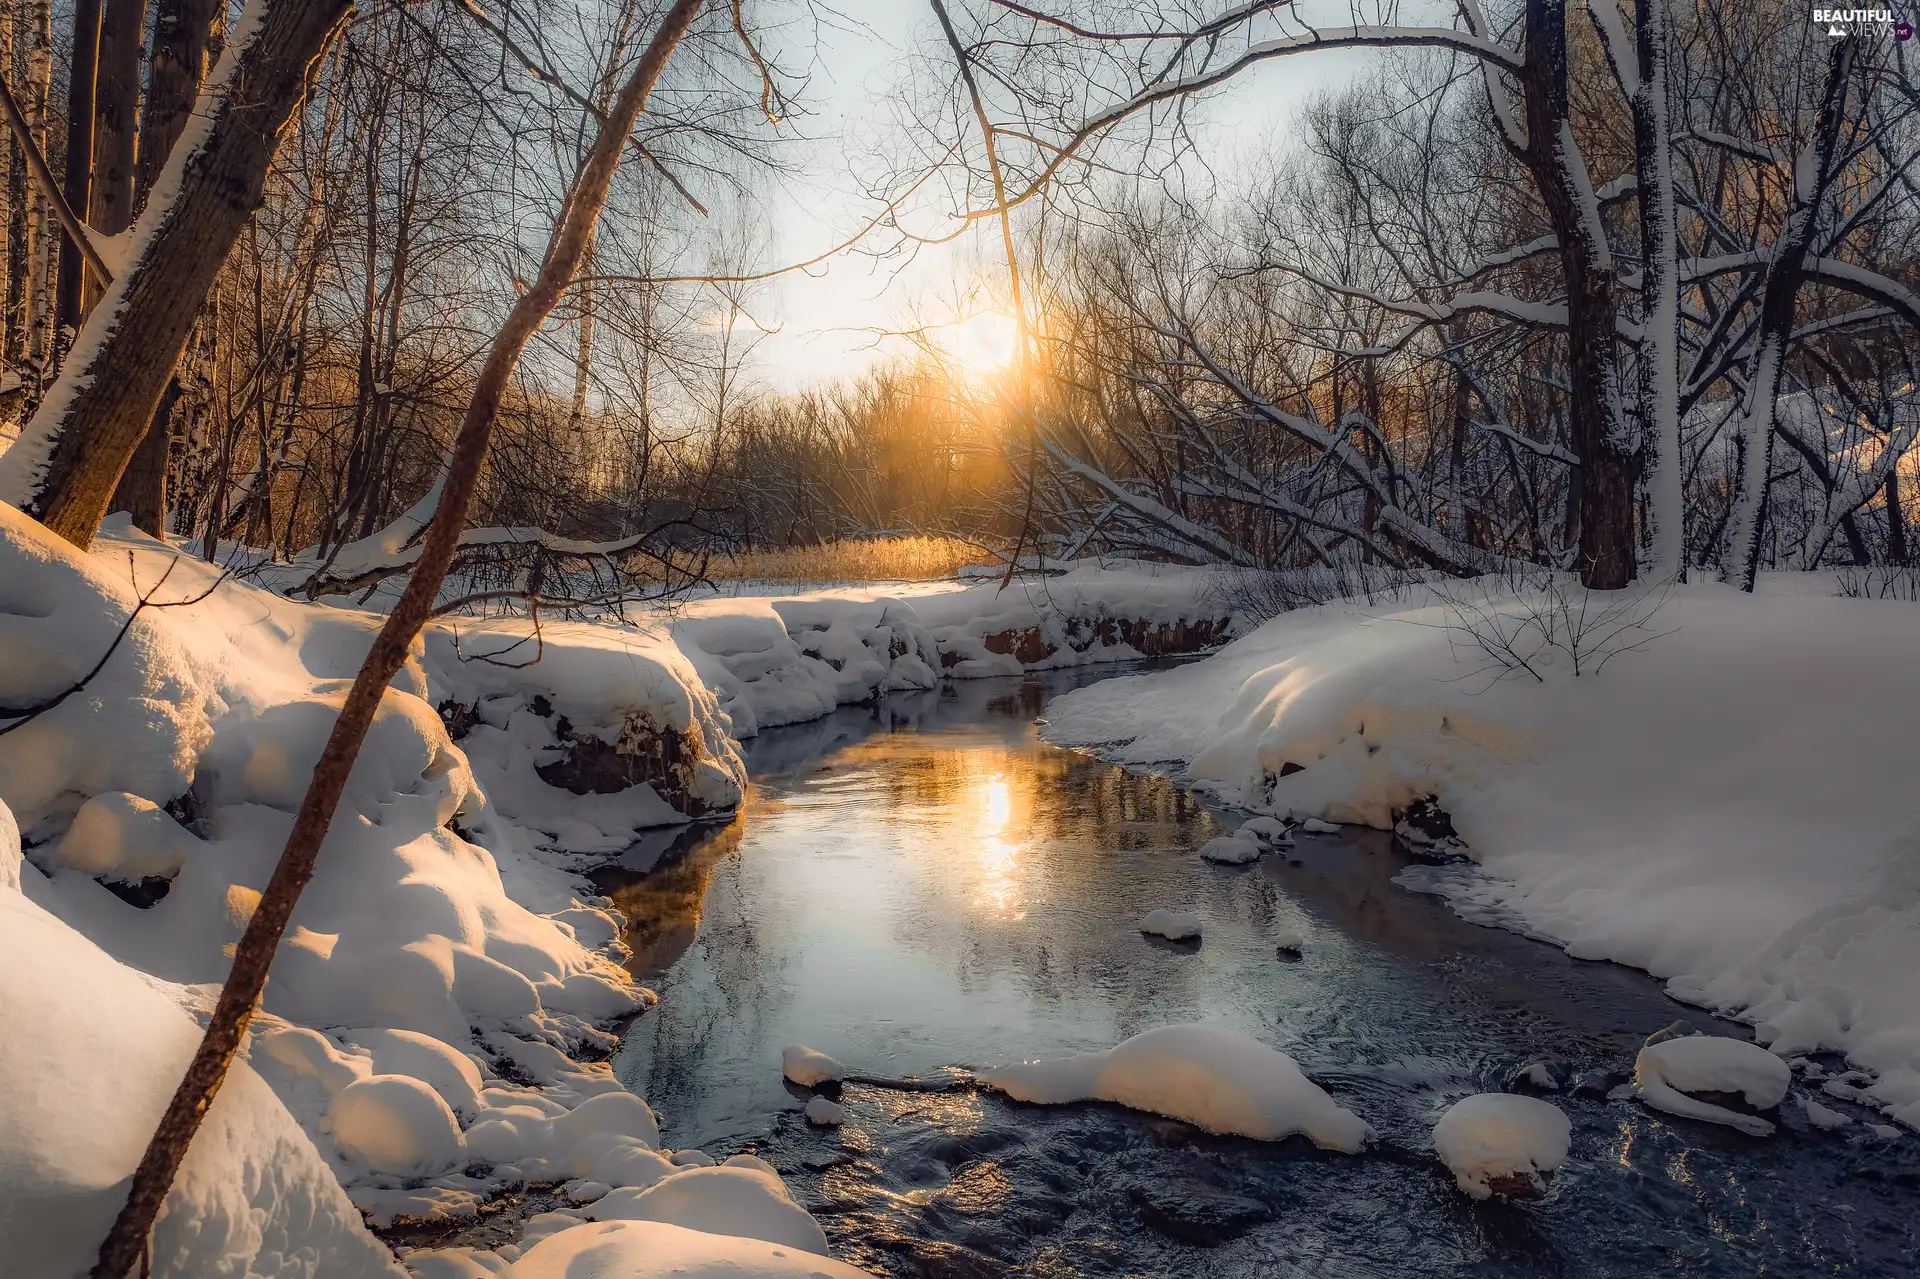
[[446, 946], [1726, 801]]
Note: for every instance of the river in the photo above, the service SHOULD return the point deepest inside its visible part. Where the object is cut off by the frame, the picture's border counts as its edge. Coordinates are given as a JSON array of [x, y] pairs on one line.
[[925, 884]]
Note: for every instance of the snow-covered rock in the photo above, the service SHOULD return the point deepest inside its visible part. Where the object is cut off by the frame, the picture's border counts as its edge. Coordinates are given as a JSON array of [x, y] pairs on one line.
[[1269, 830], [1174, 925], [658, 1250], [825, 1112], [809, 1067], [1289, 941], [1728, 805], [1231, 850], [1209, 1077], [1666, 1072], [1502, 1143], [1314, 826], [91, 1055], [1822, 1117]]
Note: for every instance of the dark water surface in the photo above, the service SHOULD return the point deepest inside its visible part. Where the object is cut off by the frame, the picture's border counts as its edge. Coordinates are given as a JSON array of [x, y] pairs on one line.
[[926, 885]]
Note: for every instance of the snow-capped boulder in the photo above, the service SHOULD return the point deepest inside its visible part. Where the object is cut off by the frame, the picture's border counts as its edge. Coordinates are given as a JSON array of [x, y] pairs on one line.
[[1214, 1079], [123, 836], [1231, 850], [1502, 1144], [1174, 925], [1666, 1072], [809, 1067], [448, 1072], [825, 1113]]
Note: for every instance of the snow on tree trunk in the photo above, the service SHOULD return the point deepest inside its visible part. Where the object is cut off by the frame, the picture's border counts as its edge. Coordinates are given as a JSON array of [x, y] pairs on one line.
[[1659, 294], [67, 461]]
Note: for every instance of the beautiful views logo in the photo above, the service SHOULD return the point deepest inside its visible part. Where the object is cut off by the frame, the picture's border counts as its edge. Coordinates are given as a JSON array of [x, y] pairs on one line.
[[1837, 21]]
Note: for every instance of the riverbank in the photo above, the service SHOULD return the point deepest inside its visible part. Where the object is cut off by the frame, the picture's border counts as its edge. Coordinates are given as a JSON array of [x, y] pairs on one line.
[[1710, 786]]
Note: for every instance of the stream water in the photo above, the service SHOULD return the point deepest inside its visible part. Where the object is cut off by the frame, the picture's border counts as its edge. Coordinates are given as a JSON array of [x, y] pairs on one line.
[[925, 884]]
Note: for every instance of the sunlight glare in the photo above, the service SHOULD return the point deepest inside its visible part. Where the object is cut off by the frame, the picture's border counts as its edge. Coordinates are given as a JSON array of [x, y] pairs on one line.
[[982, 343]]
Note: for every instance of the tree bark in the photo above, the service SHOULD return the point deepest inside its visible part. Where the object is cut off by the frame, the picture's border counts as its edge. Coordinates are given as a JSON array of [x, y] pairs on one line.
[[185, 34], [1609, 458], [253, 955], [69, 292], [91, 431]]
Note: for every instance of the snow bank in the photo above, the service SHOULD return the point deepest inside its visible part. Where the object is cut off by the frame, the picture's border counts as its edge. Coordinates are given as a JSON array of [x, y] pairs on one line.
[[1496, 1142], [1211, 1078], [1665, 1072], [91, 1053], [1728, 806], [658, 1250]]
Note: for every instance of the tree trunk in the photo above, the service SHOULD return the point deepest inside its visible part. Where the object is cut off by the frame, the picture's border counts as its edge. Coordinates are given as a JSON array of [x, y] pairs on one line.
[[1659, 294], [39, 246], [1753, 433], [66, 464], [116, 113], [1609, 457], [69, 303], [1896, 520], [254, 953]]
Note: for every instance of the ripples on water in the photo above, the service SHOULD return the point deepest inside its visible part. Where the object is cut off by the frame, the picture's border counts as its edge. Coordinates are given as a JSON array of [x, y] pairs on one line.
[[927, 885]]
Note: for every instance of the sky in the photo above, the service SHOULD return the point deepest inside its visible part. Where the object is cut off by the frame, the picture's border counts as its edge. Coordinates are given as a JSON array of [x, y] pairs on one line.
[[823, 323]]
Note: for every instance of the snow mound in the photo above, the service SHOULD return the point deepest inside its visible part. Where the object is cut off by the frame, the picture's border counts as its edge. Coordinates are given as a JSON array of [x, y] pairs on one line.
[[1174, 925], [1314, 826], [658, 1250], [1289, 940], [395, 1124], [1270, 830], [1494, 1138], [1728, 805], [809, 1067], [729, 1199], [1825, 1118], [1231, 850], [826, 1113], [92, 1054], [1665, 1072], [1214, 1079]]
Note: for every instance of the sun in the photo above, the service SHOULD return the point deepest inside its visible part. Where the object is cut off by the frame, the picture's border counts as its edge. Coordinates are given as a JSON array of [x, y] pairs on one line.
[[984, 342]]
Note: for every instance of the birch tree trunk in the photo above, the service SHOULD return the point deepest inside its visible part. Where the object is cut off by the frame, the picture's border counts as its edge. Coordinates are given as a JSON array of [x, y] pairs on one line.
[[253, 955], [66, 464]]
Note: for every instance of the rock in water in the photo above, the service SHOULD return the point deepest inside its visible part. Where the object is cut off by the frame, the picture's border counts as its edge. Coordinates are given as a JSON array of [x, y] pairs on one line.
[[1501, 1144]]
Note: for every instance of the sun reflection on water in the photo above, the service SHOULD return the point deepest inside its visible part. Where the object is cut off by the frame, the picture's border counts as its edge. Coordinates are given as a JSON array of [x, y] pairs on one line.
[[997, 858]]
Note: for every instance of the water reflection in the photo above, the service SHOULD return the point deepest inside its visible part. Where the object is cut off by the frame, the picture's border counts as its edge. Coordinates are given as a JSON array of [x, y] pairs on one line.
[[922, 884]]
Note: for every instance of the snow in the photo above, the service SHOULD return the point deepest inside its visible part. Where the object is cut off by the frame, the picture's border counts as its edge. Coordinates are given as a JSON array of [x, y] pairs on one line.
[[91, 1057], [825, 1113], [728, 1199], [1214, 1079], [1289, 940], [1174, 925], [809, 1067], [1666, 1071], [1727, 805], [1314, 826], [1231, 850], [1825, 1118], [658, 1250], [396, 1124], [1500, 1135], [1266, 829]]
